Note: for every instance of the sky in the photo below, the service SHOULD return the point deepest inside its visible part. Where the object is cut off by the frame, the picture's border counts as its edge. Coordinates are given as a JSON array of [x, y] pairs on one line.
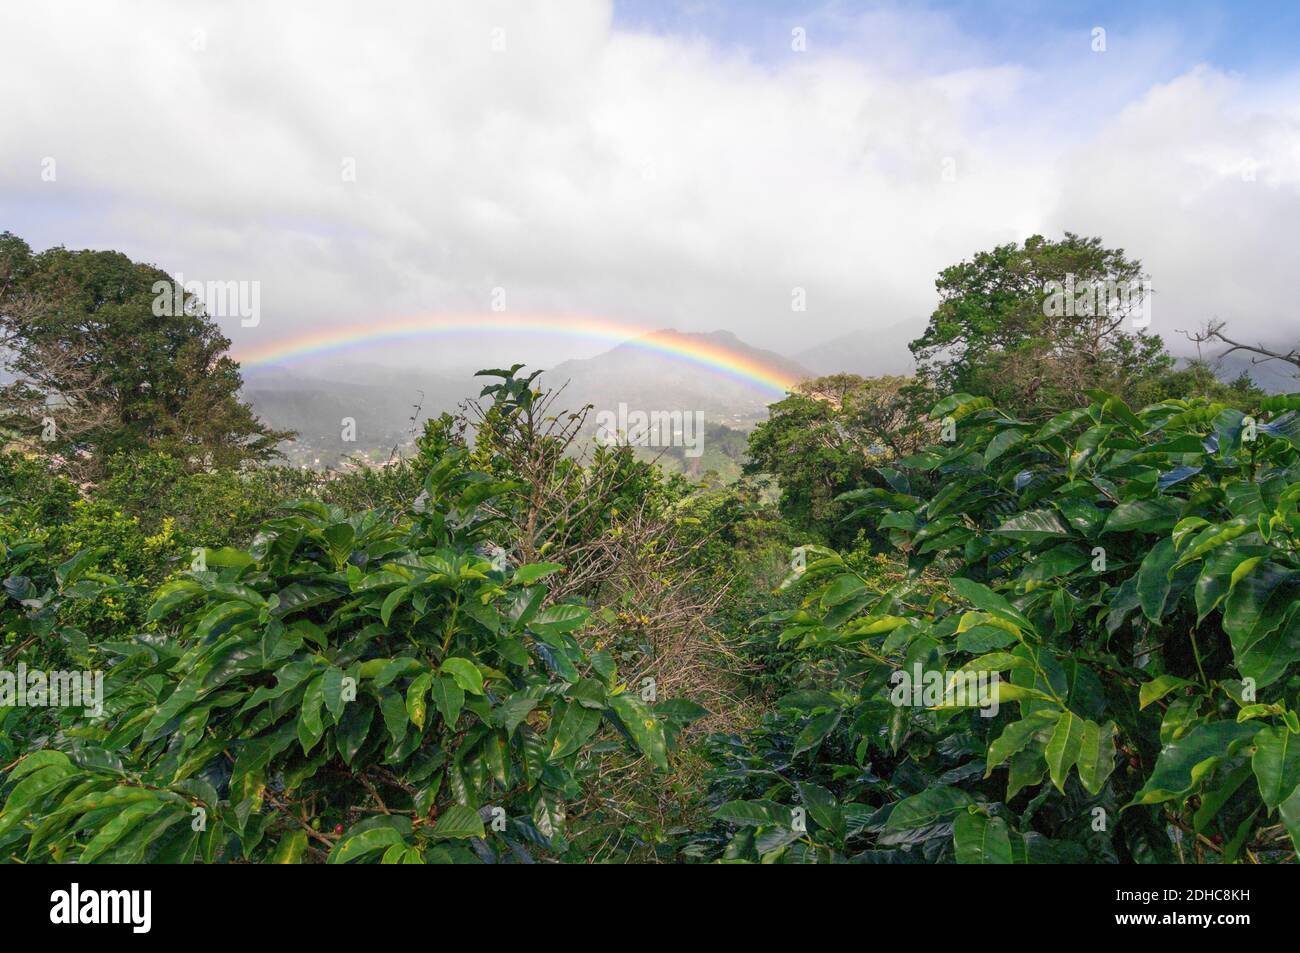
[[683, 163]]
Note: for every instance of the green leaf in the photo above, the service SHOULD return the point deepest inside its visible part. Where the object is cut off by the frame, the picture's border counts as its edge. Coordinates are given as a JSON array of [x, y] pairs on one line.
[[548, 814], [1276, 763], [357, 846], [1033, 526], [387, 671], [822, 807], [310, 725], [121, 823], [1262, 619], [228, 558], [527, 575], [1259, 601], [31, 789], [576, 726], [353, 729], [392, 601], [930, 806], [984, 638], [417, 698], [1000, 444], [222, 618], [31, 763], [332, 687], [511, 712], [643, 726], [982, 597], [817, 729], [841, 589], [458, 822], [172, 595], [338, 539], [393, 708], [1096, 755], [466, 674], [753, 813], [1184, 761], [980, 839], [1289, 810], [1018, 734], [448, 698], [257, 753], [559, 619], [298, 596], [1147, 516], [1153, 583], [291, 848], [1214, 537], [1220, 573], [1158, 688], [1063, 748]]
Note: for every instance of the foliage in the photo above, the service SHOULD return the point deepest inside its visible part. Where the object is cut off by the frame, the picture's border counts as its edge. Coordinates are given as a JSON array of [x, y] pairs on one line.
[[370, 671], [1197, 379], [86, 348], [45, 602], [822, 439], [1130, 578], [997, 333]]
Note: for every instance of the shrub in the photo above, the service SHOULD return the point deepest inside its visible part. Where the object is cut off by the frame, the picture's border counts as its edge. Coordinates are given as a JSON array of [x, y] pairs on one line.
[[1132, 581], [350, 687]]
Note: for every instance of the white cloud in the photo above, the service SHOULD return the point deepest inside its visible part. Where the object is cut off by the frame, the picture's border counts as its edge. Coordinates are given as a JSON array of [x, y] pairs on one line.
[[660, 180]]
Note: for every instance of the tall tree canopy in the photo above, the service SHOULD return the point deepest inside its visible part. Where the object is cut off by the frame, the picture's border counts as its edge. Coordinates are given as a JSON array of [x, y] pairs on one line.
[[1035, 326], [81, 345]]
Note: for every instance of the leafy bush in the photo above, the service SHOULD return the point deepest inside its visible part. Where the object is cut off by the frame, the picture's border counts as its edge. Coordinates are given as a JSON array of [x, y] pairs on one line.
[[357, 687], [1132, 581]]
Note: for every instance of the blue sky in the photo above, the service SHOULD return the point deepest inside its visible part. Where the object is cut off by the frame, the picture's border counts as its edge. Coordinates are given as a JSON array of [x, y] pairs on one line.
[[1246, 36]]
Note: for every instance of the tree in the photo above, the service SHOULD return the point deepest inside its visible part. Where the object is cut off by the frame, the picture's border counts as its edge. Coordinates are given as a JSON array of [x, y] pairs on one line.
[[1035, 326], [1197, 379], [82, 347], [1213, 331], [821, 440]]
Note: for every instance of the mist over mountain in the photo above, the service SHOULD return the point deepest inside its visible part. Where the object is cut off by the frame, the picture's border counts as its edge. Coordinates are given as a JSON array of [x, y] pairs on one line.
[[869, 352], [636, 374], [384, 404]]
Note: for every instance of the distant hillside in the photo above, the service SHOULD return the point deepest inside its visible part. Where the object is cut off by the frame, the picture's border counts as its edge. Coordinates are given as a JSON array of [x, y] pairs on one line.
[[869, 352], [647, 379], [381, 400]]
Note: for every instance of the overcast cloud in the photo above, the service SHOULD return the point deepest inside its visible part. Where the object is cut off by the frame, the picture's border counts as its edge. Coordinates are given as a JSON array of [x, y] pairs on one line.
[[660, 176]]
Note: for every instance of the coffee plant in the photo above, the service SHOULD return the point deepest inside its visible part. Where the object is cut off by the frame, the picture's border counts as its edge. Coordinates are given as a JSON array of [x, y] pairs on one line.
[[348, 688], [1106, 674]]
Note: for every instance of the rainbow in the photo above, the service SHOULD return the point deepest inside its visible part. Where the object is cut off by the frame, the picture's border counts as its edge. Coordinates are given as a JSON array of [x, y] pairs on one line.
[[702, 353]]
